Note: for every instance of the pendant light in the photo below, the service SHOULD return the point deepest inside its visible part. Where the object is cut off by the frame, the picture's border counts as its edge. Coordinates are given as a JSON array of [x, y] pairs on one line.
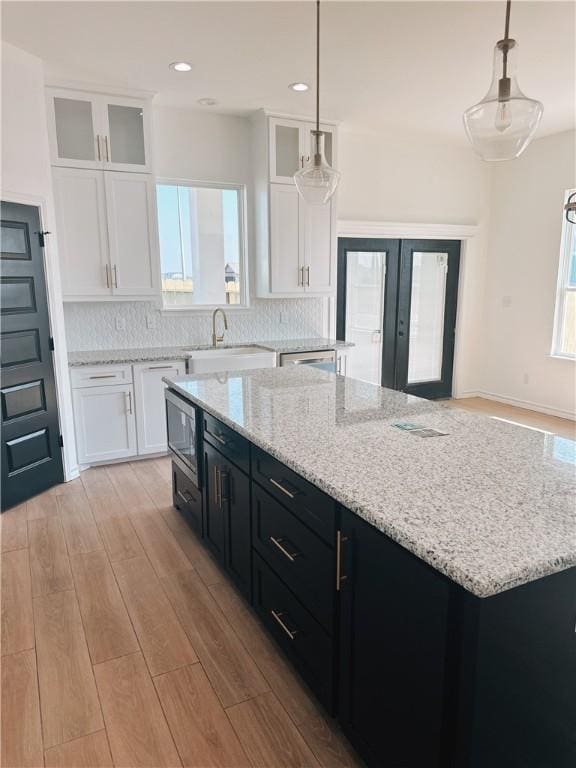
[[317, 181], [502, 125]]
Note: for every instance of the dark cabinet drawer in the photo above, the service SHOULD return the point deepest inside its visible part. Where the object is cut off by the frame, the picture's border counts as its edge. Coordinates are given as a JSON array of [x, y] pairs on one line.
[[296, 631], [314, 508], [298, 555], [187, 498], [229, 443]]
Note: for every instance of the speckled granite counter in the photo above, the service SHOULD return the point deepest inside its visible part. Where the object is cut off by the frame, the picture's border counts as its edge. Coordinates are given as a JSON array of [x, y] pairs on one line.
[[149, 354], [491, 505]]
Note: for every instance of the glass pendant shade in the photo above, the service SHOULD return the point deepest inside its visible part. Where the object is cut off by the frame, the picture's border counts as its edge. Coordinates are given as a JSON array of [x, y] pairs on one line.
[[501, 126], [317, 181]]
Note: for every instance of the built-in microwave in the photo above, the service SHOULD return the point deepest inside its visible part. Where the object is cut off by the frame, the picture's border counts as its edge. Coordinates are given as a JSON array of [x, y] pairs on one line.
[[183, 433]]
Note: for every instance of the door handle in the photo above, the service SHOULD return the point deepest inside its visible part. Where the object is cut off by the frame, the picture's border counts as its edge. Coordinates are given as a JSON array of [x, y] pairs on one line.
[[278, 618], [279, 544], [281, 487], [339, 577], [224, 478]]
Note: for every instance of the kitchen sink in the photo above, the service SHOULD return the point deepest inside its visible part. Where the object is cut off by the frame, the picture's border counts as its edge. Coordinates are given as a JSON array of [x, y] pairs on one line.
[[229, 359]]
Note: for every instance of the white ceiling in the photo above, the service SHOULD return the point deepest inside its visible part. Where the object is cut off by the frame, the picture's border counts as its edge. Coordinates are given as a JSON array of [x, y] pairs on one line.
[[386, 66]]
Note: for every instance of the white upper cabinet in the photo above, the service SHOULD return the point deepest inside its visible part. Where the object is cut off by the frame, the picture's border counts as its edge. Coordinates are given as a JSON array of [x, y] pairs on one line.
[[289, 143], [285, 240], [318, 247], [107, 234], [80, 203], [98, 131], [295, 241], [132, 233]]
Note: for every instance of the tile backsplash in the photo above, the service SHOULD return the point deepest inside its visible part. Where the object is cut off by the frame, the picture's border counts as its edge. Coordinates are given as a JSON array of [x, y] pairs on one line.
[[122, 325]]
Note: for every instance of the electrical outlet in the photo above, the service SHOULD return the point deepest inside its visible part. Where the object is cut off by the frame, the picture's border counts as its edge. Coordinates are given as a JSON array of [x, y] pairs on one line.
[[283, 318], [526, 378], [120, 323], [151, 322]]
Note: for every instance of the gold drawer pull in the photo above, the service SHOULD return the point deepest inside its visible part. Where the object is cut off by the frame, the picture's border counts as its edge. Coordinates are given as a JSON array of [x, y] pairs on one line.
[[281, 488], [278, 618], [278, 543], [217, 437]]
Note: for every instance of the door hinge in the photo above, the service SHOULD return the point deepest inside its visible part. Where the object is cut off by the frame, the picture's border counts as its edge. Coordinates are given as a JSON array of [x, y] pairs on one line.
[[42, 237], [60, 441], [51, 344]]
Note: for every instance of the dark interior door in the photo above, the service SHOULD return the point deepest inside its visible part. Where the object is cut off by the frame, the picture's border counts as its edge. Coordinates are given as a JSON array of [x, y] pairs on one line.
[[31, 450], [427, 300]]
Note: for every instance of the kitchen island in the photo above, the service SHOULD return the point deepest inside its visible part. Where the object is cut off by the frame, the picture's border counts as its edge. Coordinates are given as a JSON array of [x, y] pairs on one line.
[[416, 562]]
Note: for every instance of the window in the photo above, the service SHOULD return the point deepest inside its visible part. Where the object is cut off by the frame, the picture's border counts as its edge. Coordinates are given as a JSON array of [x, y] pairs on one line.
[[201, 231], [565, 322]]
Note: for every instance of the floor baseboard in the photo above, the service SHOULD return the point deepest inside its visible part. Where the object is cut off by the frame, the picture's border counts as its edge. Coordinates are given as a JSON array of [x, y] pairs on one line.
[[527, 404]]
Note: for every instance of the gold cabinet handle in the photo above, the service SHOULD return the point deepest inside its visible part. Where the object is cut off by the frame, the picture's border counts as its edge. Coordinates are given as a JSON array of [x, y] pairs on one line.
[[217, 437], [107, 152], [115, 268], [107, 269], [339, 577], [129, 396], [98, 148], [278, 618], [300, 276], [278, 543], [281, 487], [308, 277], [103, 376]]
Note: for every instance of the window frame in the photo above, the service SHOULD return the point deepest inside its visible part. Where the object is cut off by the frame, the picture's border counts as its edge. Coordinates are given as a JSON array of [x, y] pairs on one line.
[[563, 287], [243, 244]]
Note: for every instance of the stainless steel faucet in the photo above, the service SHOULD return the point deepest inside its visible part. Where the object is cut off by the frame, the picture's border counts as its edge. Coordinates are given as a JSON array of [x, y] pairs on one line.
[[215, 338]]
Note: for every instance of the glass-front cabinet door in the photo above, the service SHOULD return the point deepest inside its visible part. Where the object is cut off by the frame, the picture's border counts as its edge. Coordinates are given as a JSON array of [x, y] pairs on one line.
[[285, 150], [73, 128], [98, 131], [126, 135], [290, 142]]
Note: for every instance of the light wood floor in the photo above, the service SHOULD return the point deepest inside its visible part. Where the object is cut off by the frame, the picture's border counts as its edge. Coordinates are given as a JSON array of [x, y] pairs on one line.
[[562, 427], [124, 644]]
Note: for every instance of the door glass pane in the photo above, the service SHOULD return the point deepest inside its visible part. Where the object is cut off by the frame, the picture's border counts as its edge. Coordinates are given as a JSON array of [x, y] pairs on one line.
[[74, 129], [287, 150], [126, 134], [365, 273], [427, 316]]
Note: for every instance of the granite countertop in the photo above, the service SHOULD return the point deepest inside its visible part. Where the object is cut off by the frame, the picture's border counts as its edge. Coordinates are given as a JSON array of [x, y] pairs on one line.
[[150, 354], [490, 504]]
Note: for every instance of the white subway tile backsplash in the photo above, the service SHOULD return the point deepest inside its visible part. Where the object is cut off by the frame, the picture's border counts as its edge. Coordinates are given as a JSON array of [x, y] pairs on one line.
[[91, 325]]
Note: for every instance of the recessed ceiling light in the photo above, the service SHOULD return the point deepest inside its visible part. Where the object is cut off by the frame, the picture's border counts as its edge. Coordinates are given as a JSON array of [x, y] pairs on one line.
[[299, 86], [181, 66], [207, 102]]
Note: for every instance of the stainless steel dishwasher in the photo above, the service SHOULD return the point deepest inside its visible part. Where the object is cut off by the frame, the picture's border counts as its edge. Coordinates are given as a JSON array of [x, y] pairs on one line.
[[326, 359]]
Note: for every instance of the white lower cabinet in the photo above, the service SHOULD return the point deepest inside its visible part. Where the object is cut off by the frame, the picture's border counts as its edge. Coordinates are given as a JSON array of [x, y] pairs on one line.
[[149, 397], [105, 423], [119, 410]]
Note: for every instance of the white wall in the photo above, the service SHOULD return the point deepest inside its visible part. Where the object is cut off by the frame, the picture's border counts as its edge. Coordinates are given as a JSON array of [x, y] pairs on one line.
[[527, 199], [202, 146], [405, 179], [26, 179]]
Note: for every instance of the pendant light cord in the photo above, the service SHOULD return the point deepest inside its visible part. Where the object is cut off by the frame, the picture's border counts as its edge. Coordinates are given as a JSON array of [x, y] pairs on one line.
[[506, 38], [318, 64]]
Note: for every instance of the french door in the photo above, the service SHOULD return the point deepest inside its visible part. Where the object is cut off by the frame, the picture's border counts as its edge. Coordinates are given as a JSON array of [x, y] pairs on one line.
[[397, 303]]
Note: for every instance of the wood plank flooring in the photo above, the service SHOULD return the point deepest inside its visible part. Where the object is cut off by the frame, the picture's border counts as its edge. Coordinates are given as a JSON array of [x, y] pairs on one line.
[[124, 644]]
